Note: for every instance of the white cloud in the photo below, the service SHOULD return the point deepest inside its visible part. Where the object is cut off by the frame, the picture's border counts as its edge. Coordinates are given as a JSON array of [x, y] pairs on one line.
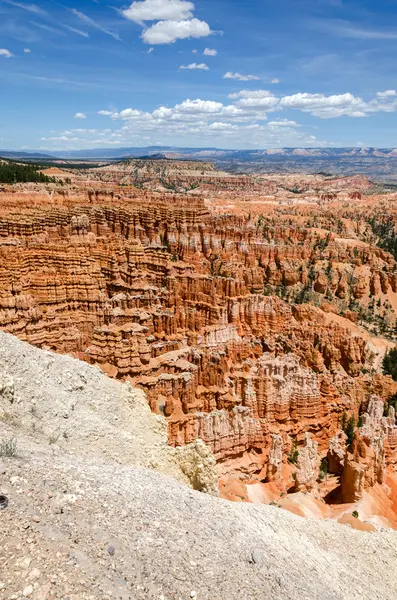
[[130, 113], [162, 113], [27, 50], [61, 138], [242, 123], [195, 66], [275, 81], [80, 115], [159, 10], [167, 32], [77, 31], [94, 24], [210, 52], [240, 77], [220, 126], [175, 20], [283, 123], [326, 106], [150, 50], [349, 29], [266, 103], [5, 52], [199, 106], [251, 94], [194, 51], [387, 94], [33, 8]]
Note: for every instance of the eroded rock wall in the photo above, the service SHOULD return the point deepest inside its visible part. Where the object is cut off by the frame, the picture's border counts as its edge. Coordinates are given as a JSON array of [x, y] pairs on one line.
[[209, 312]]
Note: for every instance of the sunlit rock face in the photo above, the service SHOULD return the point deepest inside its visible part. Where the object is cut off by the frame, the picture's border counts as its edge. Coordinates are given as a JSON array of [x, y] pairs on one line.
[[241, 319]]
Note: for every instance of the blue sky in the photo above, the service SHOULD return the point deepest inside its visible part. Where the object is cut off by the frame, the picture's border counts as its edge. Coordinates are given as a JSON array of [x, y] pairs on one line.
[[224, 73]]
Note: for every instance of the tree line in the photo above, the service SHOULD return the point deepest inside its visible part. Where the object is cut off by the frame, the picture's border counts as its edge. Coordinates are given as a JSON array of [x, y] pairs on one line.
[[12, 172]]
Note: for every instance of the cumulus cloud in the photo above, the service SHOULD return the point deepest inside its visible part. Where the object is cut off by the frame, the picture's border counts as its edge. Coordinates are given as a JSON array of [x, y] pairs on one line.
[[220, 126], [167, 32], [266, 102], [387, 94], [80, 115], [210, 52], [27, 50], [162, 113], [175, 20], [6, 53], [199, 106], [240, 77], [242, 123], [131, 113], [275, 80], [195, 66], [283, 123], [159, 10], [251, 94], [326, 106]]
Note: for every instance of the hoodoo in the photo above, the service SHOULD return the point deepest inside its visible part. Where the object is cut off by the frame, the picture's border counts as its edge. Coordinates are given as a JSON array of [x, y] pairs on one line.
[[258, 328]]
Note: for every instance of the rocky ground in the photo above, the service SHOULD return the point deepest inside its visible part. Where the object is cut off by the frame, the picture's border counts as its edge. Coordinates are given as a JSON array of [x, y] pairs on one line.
[[85, 521]]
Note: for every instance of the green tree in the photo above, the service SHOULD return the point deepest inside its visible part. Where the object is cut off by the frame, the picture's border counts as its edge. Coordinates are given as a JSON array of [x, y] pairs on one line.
[[13, 172], [390, 363], [294, 453]]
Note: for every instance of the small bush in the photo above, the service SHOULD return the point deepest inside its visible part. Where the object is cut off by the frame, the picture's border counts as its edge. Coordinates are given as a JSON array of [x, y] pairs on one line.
[[294, 453], [392, 401], [390, 363], [9, 448], [349, 427], [323, 468], [355, 514], [349, 431]]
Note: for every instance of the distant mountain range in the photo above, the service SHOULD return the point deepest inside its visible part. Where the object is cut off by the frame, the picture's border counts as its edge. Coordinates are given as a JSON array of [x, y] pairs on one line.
[[204, 153], [17, 155], [377, 163]]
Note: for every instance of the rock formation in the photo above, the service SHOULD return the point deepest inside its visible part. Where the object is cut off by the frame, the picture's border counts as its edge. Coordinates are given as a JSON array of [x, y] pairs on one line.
[[307, 465], [336, 453], [365, 463], [247, 323]]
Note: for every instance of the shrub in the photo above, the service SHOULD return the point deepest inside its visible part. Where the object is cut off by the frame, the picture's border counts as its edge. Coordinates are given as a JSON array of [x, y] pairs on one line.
[[392, 401], [355, 514], [349, 427], [294, 453], [390, 363], [323, 468], [9, 448], [349, 431]]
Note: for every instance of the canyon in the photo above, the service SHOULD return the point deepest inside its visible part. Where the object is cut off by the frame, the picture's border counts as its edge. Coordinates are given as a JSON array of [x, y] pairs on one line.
[[254, 311]]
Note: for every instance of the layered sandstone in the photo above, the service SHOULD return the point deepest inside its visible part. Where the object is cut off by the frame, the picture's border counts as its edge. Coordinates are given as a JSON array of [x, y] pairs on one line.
[[246, 326]]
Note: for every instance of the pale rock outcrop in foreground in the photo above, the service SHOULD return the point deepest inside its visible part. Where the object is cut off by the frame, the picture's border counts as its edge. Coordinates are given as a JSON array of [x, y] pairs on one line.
[[86, 522], [63, 401]]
